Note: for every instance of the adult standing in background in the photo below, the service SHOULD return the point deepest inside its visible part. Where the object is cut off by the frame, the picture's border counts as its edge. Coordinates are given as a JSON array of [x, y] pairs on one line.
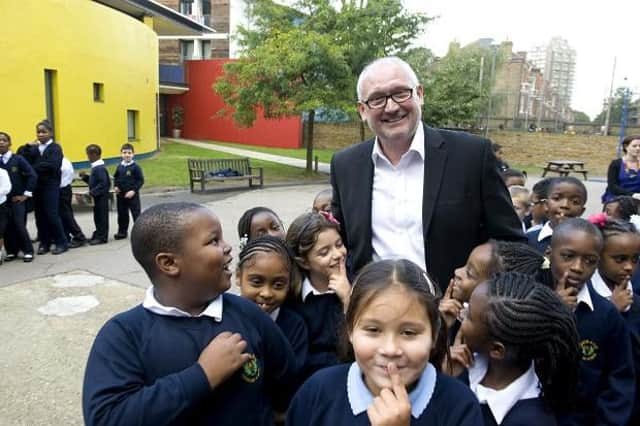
[[623, 175], [414, 192]]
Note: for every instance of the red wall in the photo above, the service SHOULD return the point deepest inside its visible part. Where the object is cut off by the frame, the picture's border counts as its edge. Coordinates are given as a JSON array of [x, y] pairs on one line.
[[201, 105]]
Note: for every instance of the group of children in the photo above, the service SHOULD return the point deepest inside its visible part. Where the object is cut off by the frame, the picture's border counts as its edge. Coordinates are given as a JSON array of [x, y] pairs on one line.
[[38, 177], [545, 333]]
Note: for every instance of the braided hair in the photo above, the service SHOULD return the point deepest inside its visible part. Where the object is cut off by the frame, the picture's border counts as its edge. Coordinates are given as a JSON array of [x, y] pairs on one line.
[[511, 256], [244, 223], [534, 325], [269, 244]]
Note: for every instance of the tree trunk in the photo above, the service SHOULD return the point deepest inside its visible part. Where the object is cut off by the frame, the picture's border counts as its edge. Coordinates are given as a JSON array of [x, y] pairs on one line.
[[361, 130], [312, 114]]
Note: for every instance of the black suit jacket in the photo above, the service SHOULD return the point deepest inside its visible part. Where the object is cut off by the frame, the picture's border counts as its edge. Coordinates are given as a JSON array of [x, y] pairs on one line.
[[464, 200]]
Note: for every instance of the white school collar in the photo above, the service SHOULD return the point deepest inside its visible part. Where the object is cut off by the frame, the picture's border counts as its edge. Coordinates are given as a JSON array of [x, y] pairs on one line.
[[360, 397], [308, 288], [526, 386], [6, 157], [97, 163], [603, 289], [546, 231], [123, 163], [585, 297], [274, 314], [213, 310]]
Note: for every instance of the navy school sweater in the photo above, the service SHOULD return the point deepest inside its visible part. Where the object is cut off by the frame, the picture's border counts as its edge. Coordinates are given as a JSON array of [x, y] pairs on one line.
[[46, 165], [143, 369], [323, 400], [23, 177], [532, 239], [606, 385], [128, 178], [324, 319], [99, 181]]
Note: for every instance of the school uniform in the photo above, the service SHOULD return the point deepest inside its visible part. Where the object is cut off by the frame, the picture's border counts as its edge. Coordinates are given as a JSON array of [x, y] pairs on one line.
[[143, 366], [23, 182], [338, 395], [46, 160], [606, 385], [128, 177], [540, 238], [5, 189], [518, 404], [323, 315], [71, 227], [99, 185]]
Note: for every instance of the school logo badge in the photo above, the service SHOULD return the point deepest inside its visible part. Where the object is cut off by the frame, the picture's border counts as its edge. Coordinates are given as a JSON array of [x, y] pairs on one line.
[[128, 173], [251, 370], [589, 350], [14, 169]]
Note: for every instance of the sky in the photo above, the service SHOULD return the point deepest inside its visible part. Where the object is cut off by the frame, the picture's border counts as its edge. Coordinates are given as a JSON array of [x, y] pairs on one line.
[[599, 31]]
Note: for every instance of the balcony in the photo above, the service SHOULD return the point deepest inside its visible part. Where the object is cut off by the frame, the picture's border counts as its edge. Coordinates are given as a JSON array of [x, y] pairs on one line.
[[172, 79]]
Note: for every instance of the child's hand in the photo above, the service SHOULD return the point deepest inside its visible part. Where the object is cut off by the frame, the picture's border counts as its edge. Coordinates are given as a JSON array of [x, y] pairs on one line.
[[116, 189], [622, 297], [222, 357], [339, 283], [392, 407], [449, 307], [129, 194], [569, 295], [461, 357]]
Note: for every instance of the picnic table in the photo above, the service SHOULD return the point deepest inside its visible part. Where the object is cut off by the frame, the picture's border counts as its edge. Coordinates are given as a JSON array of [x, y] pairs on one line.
[[565, 167]]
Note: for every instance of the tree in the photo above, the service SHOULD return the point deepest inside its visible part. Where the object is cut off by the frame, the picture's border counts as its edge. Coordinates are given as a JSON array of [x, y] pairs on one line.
[[581, 117], [616, 108]]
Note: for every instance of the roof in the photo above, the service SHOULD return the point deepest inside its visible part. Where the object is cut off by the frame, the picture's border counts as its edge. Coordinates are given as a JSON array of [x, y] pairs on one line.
[[167, 22]]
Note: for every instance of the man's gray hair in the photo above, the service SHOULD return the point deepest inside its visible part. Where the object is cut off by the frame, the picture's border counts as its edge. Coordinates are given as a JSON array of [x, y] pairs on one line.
[[389, 60]]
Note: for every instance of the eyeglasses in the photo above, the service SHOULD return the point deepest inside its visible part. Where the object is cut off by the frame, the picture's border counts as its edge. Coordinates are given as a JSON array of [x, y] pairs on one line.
[[398, 97], [535, 203]]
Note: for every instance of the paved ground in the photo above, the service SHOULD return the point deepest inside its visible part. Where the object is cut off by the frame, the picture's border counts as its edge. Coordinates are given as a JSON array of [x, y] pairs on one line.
[[53, 307]]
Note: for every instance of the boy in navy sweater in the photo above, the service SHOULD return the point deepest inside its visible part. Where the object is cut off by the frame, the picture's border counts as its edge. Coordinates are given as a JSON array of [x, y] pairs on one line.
[[191, 353], [99, 185], [606, 387], [128, 179], [23, 183]]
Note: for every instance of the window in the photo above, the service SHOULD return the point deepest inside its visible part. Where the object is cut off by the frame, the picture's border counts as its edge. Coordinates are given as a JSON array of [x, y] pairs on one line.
[[98, 92], [186, 50], [132, 125], [50, 92], [206, 49], [186, 7]]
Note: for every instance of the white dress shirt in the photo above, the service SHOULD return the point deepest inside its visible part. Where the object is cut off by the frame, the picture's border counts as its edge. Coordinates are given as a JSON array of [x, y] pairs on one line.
[[66, 171], [308, 288], [6, 157], [584, 297], [546, 231], [97, 163], [396, 204], [5, 185], [43, 146], [213, 310], [603, 289]]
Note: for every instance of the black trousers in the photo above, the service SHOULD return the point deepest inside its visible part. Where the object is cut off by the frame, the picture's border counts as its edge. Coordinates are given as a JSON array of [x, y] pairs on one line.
[[46, 202], [101, 217], [69, 223], [17, 237], [126, 205]]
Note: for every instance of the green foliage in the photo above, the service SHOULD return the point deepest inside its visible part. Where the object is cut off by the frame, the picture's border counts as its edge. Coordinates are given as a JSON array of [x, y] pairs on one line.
[[581, 117], [616, 108]]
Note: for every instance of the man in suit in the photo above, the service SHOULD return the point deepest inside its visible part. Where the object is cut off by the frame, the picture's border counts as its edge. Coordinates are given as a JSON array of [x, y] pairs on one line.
[[415, 192]]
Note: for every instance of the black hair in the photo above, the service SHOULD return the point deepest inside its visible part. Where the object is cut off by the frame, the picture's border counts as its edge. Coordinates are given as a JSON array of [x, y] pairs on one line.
[[626, 141], [612, 227], [127, 146], [512, 256], [533, 324], [541, 188], [244, 223], [158, 229], [627, 205], [576, 224], [512, 173], [269, 244], [46, 124], [94, 149], [570, 180], [375, 278], [495, 147], [6, 135]]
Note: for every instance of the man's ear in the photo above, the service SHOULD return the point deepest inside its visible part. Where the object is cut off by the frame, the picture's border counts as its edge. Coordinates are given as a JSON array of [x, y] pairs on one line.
[[362, 110], [167, 264], [302, 262], [420, 92]]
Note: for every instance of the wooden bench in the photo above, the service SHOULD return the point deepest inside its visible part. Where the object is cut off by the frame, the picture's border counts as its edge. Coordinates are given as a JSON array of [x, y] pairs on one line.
[[565, 168], [80, 193], [203, 170]]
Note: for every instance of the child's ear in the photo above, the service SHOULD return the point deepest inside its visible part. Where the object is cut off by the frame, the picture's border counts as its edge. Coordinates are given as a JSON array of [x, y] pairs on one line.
[[582, 211], [497, 350], [302, 262], [167, 264]]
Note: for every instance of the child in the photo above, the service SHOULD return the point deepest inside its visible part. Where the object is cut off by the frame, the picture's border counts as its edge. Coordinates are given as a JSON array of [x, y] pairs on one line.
[[190, 353], [621, 207], [502, 165], [45, 156], [99, 185], [525, 347], [23, 183], [606, 385], [5, 189], [322, 202], [520, 200], [566, 198], [265, 275], [514, 177], [71, 228], [393, 327], [537, 216], [315, 243], [127, 181], [259, 221]]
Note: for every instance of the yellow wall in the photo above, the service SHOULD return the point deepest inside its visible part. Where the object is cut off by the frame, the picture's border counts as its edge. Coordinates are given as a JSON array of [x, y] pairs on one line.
[[85, 42]]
